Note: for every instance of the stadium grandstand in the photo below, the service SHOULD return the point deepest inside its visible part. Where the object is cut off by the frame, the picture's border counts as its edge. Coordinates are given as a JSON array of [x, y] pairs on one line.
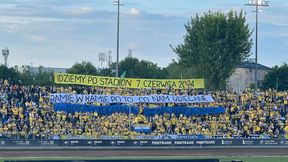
[[27, 113]]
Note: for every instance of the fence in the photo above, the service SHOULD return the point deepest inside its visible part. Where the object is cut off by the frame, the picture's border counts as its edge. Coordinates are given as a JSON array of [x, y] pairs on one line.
[[147, 143]]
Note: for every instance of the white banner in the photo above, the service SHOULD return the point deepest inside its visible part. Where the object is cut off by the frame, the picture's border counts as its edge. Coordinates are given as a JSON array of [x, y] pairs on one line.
[[84, 99]]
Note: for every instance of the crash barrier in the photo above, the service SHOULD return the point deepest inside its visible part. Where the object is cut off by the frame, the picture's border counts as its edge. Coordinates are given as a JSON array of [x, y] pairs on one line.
[[132, 160], [145, 143]]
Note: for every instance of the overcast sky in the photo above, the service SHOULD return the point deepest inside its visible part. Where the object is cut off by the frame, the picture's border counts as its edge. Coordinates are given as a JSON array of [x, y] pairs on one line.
[[57, 33]]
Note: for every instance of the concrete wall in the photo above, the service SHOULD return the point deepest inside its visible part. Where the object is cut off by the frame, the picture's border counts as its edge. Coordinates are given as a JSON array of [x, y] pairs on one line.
[[242, 78]]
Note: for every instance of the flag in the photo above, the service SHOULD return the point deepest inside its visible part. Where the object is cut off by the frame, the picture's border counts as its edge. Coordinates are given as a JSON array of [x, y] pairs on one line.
[[123, 74]]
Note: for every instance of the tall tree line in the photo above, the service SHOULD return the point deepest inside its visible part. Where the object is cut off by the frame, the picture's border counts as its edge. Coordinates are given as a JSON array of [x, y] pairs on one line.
[[26, 76]]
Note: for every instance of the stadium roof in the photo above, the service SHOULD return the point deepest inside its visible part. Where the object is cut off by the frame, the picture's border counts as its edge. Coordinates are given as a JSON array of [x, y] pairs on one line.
[[251, 65]]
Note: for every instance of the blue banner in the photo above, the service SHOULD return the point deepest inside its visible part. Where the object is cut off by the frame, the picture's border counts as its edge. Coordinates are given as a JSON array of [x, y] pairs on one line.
[[101, 110], [187, 111], [143, 128], [108, 110]]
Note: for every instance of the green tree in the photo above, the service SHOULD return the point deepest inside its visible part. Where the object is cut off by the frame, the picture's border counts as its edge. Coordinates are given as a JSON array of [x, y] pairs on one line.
[[277, 78], [85, 67], [27, 76], [10, 74], [43, 76], [106, 72], [147, 69], [178, 71], [214, 45], [130, 66], [141, 69], [162, 73]]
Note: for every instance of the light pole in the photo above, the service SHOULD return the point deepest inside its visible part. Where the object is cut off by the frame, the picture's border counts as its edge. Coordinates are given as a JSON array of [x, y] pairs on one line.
[[257, 3], [117, 2]]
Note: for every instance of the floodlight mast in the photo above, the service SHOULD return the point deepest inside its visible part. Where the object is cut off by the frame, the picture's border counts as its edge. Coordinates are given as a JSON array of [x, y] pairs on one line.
[[117, 2], [5, 53], [257, 3]]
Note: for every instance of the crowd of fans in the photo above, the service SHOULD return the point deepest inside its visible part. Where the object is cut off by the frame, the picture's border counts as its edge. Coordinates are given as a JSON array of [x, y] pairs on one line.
[[25, 112]]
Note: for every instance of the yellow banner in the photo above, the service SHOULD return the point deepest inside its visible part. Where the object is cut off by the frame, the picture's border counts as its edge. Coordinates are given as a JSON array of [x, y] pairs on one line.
[[101, 81]]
